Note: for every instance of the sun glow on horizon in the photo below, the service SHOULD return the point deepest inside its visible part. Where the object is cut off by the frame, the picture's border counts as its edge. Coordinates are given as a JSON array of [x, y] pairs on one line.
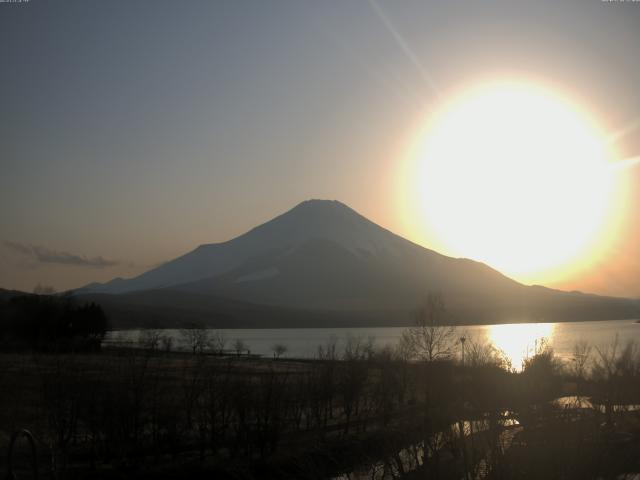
[[515, 176]]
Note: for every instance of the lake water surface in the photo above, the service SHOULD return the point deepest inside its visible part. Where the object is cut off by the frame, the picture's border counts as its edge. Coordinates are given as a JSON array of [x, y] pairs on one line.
[[515, 340]]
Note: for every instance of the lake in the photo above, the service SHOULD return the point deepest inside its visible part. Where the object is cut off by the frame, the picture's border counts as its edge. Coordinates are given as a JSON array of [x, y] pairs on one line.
[[517, 341]]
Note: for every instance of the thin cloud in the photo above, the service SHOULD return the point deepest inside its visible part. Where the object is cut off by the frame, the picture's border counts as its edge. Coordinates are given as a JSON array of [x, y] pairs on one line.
[[46, 255]]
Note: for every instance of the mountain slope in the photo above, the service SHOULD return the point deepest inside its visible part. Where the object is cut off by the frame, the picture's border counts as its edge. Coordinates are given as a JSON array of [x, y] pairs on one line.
[[324, 256], [304, 230]]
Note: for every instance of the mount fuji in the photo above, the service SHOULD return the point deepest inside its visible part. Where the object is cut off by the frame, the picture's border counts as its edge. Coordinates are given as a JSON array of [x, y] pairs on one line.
[[321, 262]]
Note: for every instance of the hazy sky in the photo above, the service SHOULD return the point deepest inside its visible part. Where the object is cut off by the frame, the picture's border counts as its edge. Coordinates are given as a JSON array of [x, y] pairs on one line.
[[133, 131]]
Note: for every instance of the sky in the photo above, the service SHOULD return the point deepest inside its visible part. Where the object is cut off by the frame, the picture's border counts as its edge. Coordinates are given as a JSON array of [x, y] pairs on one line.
[[132, 132]]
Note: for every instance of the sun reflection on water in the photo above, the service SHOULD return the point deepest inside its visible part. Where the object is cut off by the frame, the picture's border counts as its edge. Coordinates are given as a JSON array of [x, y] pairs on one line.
[[519, 340]]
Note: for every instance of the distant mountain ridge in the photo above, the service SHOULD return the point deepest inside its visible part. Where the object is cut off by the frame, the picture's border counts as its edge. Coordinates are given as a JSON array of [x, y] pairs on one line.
[[322, 256]]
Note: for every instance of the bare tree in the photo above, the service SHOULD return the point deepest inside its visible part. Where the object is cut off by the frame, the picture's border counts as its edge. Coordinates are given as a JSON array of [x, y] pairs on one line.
[[482, 353], [430, 339], [329, 350], [354, 348], [580, 359], [196, 338], [149, 339], [239, 346], [616, 369], [279, 349], [542, 373], [404, 349], [166, 342], [352, 379], [217, 341]]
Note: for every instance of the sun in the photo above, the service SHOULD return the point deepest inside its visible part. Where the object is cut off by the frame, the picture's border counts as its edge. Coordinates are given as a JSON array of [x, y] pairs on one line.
[[515, 176]]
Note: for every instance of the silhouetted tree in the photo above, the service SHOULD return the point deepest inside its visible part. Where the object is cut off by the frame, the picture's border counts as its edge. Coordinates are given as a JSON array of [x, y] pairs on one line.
[[279, 349], [150, 339], [196, 338], [239, 346], [217, 341], [430, 339], [44, 322]]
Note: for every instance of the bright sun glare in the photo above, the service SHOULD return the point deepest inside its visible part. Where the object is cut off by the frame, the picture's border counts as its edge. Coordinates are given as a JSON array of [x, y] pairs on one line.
[[514, 176]]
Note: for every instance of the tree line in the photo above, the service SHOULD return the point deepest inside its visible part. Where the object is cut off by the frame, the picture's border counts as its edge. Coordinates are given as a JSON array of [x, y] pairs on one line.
[[51, 323]]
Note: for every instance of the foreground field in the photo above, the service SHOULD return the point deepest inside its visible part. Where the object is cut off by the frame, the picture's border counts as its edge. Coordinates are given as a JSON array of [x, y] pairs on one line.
[[135, 413]]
